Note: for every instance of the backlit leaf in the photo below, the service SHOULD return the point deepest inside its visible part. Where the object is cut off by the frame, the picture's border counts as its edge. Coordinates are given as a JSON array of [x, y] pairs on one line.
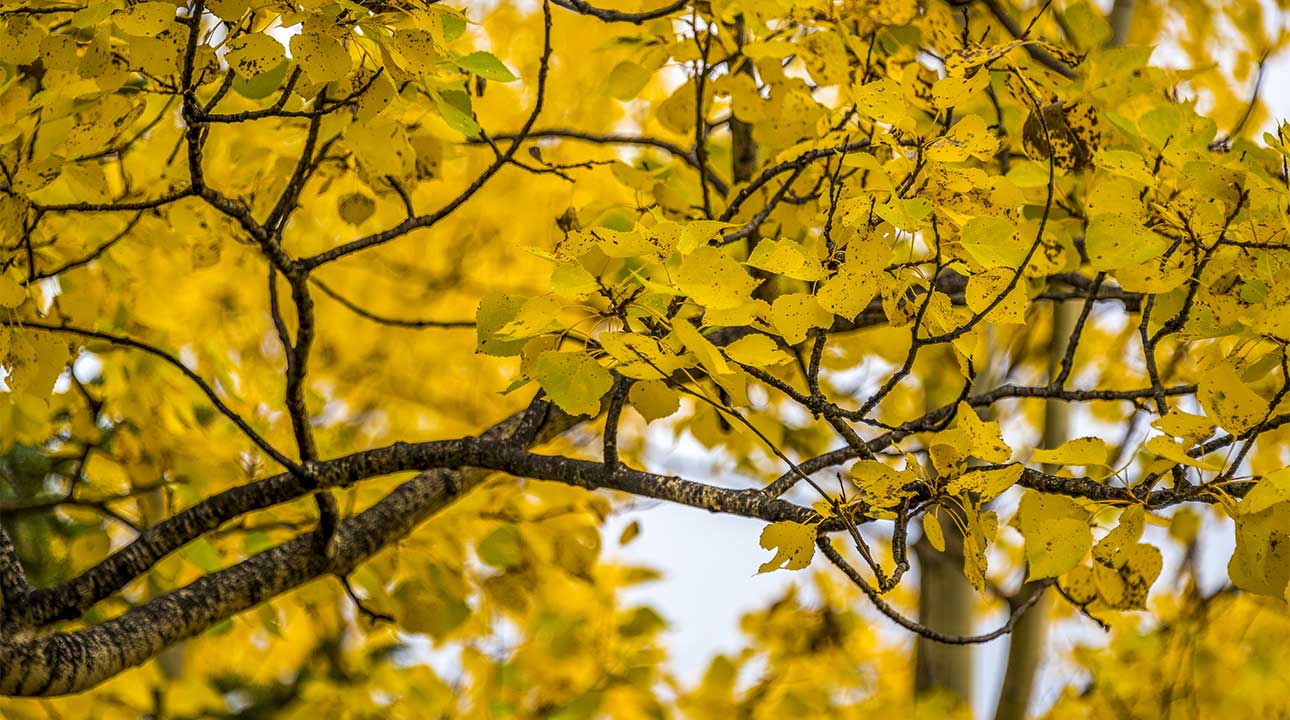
[[793, 543], [1057, 533]]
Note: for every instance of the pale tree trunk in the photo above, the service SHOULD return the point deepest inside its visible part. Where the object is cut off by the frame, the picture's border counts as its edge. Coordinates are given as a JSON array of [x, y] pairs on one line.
[[1026, 642], [1026, 645], [946, 600]]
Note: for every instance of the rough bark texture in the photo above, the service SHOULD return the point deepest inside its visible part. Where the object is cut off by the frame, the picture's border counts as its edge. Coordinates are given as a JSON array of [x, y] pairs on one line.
[[36, 663]]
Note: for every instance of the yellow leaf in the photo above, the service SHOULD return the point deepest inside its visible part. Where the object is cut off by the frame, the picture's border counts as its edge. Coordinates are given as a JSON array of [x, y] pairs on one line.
[[1057, 533], [1127, 163], [1271, 489], [1080, 585], [948, 460], [908, 214], [1080, 451], [969, 137], [618, 244], [229, 10], [793, 543], [975, 562], [639, 356], [323, 58], [987, 484], [960, 61], [1114, 549], [787, 258], [629, 533], [12, 294], [932, 530], [145, 19], [1175, 451], [251, 55], [36, 359], [1225, 398], [1185, 426], [950, 91], [713, 279], [884, 101], [1261, 562], [794, 314], [709, 357], [1141, 565], [653, 399], [883, 486], [536, 316], [850, 291], [756, 350], [417, 51], [571, 280], [994, 242], [985, 287], [382, 147], [985, 438], [626, 80], [20, 40]]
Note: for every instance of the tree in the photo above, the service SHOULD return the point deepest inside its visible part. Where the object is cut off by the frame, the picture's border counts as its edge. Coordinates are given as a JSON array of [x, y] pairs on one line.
[[325, 325]]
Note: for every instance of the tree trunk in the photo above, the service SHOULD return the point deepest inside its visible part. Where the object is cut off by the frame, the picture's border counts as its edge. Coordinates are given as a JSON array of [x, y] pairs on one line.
[[1026, 643], [945, 604]]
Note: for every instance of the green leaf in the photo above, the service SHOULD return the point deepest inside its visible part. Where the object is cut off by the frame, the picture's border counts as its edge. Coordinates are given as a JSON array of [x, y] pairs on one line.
[[1116, 241], [994, 242], [262, 85], [574, 381], [626, 80], [495, 312], [204, 555], [908, 214], [456, 118], [502, 548], [485, 65]]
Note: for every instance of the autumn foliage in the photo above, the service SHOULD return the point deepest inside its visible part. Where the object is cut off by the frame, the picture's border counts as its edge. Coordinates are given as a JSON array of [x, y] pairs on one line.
[[333, 331]]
